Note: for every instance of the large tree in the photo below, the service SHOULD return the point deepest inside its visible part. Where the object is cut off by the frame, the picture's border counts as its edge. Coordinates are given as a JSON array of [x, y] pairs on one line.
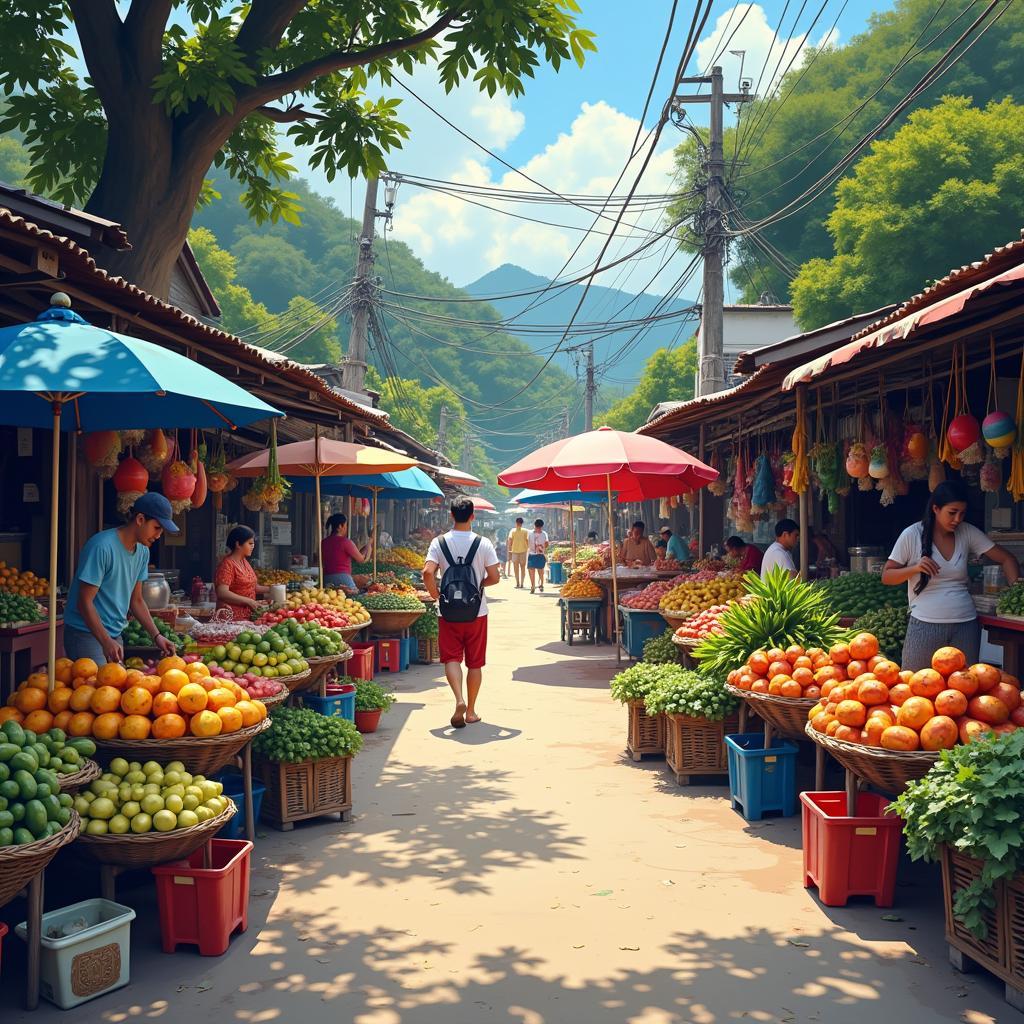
[[945, 189], [177, 86], [668, 377]]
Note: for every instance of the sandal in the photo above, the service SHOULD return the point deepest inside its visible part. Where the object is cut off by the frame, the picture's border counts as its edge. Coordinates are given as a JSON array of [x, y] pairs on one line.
[[459, 718]]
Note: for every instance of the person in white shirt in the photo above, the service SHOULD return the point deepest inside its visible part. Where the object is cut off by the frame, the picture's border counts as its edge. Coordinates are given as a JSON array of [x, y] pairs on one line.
[[386, 541], [780, 553], [535, 551], [931, 558], [463, 641]]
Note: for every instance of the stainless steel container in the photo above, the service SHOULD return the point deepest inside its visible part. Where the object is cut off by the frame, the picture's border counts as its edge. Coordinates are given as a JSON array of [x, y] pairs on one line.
[[156, 591], [861, 556]]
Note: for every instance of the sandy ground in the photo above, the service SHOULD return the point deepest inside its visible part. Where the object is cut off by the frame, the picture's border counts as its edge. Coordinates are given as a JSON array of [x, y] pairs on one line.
[[524, 870]]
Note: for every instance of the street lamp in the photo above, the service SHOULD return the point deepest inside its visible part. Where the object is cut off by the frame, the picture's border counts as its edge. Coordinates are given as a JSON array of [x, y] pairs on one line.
[[742, 54]]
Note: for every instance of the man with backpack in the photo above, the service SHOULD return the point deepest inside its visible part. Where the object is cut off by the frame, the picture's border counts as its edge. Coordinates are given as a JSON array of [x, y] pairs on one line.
[[467, 563]]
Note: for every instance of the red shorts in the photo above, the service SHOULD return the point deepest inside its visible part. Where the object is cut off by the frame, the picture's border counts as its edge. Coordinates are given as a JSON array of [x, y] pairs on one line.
[[463, 641]]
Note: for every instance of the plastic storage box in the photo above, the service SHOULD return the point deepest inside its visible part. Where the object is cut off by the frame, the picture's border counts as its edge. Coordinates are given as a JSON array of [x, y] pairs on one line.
[[846, 856], [89, 962], [408, 651], [340, 705], [204, 906], [389, 655], [232, 781], [761, 780], [640, 626], [556, 573], [360, 665]]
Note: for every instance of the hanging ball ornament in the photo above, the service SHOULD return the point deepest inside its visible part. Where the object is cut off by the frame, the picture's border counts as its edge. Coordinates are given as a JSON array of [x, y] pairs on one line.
[[999, 432], [964, 433]]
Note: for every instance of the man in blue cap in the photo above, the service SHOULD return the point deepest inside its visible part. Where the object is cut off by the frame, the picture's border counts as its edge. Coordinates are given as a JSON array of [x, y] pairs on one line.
[[108, 584]]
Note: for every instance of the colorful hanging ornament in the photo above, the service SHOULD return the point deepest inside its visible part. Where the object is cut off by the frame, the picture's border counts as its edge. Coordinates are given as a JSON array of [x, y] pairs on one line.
[[991, 478], [178, 482], [101, 451], [763, 494], [857, 462], [997, 428], [132, 438], [130, 481], [155, 453]]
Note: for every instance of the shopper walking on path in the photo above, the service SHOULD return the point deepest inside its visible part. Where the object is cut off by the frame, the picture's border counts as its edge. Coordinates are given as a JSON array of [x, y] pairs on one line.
[[518, 546], [536, 555], [108, 584], [931, 558], [467, 564]]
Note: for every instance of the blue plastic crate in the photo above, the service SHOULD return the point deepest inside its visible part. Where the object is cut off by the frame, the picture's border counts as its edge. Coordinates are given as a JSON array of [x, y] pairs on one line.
[[408, 652], [340, 705], [640, 626], [761, 780], [235, 828], [556, 572]]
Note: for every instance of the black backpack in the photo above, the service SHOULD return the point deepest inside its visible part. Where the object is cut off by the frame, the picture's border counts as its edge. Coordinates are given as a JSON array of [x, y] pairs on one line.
[[460, 592]]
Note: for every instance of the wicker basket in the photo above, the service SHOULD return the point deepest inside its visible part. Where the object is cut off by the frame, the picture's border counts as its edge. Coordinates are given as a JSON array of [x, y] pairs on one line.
[[674, 619], [696, 746], [786, 715], [152, 848], [305, 789], [887, 770], [20, 864], [89, 772], [958, 872], [278, 698], [321, 667], [394, 622], [646, 733], [349, 632], [299, 681], [201, 755], [427, 651]]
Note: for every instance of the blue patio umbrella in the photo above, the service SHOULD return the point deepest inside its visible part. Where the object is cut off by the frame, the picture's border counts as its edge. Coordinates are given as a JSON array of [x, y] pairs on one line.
[[59, 371], [538, 499]]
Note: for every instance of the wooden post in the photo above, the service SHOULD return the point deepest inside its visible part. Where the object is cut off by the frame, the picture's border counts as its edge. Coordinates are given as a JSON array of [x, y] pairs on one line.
[[700, 499], [804, 503], [615, 582], [54, 497]]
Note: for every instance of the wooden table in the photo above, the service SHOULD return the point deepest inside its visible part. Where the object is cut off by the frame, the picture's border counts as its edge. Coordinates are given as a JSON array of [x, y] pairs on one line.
[[34, 639], [1008, 634]]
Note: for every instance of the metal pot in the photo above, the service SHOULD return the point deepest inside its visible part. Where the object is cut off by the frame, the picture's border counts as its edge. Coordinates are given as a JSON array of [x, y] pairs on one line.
[[156, 591], [860, 556]]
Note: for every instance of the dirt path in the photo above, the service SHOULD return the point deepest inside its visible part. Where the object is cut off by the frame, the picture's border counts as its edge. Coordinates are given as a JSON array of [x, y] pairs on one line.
[[523, 871]]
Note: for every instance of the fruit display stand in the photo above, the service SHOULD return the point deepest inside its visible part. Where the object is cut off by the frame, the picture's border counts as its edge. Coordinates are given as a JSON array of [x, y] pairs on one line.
[[305, 789], [15, 640], [22, 867], [646, 732], [1007, 633], [276, 698], [89, 772], [696, 746], [394, 622], [299, 681], [349, 633], [322, 670]]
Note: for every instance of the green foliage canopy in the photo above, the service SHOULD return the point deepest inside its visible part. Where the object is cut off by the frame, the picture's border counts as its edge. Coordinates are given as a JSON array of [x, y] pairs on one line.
[[668, 377]]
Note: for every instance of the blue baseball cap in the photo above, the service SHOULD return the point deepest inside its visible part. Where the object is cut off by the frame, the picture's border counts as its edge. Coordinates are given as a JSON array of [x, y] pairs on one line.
[[156, 506]]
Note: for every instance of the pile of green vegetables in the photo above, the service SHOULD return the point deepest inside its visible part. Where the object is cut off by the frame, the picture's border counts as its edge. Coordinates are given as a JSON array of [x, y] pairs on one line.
[[858, 593], [299, 734], [783, 611], [972, 799], [889, 625], [16, 608], [312, 639], [1011, 600], [135, 634], [371, 696], [426, 626], [680, 691], [635, 682], [390, 602], [660, 650]]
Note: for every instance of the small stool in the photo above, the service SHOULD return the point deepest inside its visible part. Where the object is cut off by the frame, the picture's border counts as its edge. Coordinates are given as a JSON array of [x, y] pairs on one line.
[[389, 655], [580, 617]]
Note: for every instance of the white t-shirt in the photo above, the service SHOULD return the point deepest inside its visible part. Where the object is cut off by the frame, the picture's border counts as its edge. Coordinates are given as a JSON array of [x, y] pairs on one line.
[[776, 555], [459, 542], [537, 542], [946, 598]]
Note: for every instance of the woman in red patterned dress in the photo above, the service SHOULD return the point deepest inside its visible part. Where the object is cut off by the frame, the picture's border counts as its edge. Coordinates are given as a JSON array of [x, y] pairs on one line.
[[235, 579]]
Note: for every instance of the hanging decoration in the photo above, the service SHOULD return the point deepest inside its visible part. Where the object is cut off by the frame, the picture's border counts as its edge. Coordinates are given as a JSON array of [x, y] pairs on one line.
[[997, 427], [216, 476], [825, 462], [857, 461], [178, 482], [801, 472], [763, 492], [101, 451], [130, 481], [739, 506], [991, 477], [719, 486], [913, 460], [1015, 485], [964, 431], [155, 453], [132, 438], [270, 489], [198, 467]]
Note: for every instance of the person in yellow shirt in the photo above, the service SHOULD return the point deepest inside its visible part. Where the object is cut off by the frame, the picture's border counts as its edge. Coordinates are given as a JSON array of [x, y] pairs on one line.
[[518, 546]]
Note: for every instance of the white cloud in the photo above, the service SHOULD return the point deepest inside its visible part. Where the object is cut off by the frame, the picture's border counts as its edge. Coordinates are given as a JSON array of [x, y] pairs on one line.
[[500, 123]]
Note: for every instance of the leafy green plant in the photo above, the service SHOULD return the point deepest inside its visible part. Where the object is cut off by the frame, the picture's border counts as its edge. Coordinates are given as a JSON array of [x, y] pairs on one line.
[[426, 626], [635, 682], [680, 691], [299, 734], [371, 696], [889, 625], [783, 611], [660, 650], [972, 799]]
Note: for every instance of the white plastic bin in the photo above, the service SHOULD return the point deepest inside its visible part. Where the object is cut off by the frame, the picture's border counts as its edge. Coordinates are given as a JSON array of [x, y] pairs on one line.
[[90, 962]]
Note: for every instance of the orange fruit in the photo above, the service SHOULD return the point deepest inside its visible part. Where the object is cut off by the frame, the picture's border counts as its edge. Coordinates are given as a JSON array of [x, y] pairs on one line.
[[230, 719], [758, 663], [914, 712], [104, 699], [779, 668], [951, 703], [112, 674], [794, 651], [872, 692], [759, 686], [839, 653], [804, 676], [173, 662], [886, 671], [873, 729], [250, 714], [863, 646], [134, 727], [173, 679], [136, 700], [38, 721], [851, 713], [812, 692], [971, 729], [37, 681], [856, 668], [776, 654], [948, 660], [10, 714], [221, 697], [63, 670], [927, 683], [791, 688], [775, 686], [899, 737], [883, 712], [165, 704], [900, 693], [61, 719], [150, 683], [107, 725], [168, 727], [85, 668], [133, 677], [940, 733], [81, 723], [30, 699], [988, 709], [966, 682], [262, 708], [820, 722], [197, 668], [848, 733], [1007, 693], [60, 699], [192, 698], [205, 723]]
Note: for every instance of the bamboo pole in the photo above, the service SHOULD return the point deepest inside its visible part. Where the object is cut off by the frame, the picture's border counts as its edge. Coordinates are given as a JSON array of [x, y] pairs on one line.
[[572, 533], [54, 485], [373, 534], [615, 582]]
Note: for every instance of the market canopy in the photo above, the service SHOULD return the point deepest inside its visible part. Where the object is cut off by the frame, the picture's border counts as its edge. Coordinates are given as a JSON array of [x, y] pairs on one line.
[[548, 499], [406, 485], [456, 476], [480, 503], [323, 457]]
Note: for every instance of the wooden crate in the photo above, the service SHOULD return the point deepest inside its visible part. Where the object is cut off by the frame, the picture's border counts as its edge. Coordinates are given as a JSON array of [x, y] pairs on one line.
[[1001, 952], [646, 733], [305, 789], [695, 746], [427, 651]]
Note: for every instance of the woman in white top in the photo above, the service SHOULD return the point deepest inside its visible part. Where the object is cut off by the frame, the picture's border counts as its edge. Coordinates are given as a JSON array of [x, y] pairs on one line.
[[536, 551], [931, 558]]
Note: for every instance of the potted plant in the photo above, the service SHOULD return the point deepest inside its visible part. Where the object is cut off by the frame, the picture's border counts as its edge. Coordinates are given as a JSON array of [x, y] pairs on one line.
[[372, 700], [645, 732]]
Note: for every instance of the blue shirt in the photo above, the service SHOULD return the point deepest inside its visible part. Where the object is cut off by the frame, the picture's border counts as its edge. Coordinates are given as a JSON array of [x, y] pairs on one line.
[[677, 549], [106, 563]]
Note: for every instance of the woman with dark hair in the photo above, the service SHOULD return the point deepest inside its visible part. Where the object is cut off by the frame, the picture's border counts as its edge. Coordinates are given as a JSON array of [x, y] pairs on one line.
[[931, 558], [235, 578], [748, 556], [338, 553]]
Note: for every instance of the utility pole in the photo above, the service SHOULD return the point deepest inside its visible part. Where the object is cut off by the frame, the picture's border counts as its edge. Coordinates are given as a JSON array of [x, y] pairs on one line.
[[565, 423], [442, 429], [712, 359], [588, 395], [353, 370], [466, 465]]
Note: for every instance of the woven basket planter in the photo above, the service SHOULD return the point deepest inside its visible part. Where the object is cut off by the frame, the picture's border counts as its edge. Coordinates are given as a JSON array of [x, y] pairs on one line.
[[427, 651], [304, 789], [646, 733], [20, 864], [348, 633], [696, 746], [89, 772], [394, 622], [887, 770], [786, 715]]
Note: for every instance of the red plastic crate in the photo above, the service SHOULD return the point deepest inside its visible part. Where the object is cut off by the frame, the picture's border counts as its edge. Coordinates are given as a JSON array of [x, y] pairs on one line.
[[389, 655], [845, 856], [360, 665], [204, 906]]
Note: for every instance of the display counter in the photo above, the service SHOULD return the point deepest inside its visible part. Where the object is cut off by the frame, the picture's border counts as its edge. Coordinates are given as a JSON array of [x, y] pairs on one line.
[[1007, 633]]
